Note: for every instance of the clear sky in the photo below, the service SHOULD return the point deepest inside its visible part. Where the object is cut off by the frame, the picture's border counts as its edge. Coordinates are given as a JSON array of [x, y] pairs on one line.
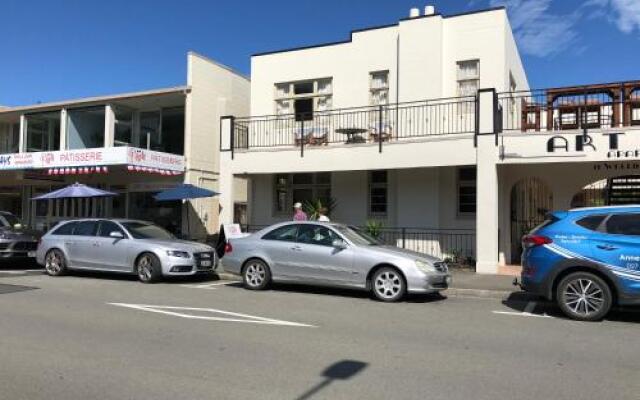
[[52, 50]]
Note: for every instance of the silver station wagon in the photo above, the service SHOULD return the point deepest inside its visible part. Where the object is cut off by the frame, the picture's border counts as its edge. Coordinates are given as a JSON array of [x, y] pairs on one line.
[[120, 245], [335, 255]]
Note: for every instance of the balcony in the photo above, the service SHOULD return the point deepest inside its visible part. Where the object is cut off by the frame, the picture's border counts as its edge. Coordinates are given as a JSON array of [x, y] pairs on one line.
[[373, 125], [600, 106]]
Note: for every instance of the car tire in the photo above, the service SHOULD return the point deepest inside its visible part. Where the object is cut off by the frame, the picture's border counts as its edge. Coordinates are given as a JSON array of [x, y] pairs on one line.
[[388, 284], [256, 275], [55, 263], [148, 268], [584, 296]]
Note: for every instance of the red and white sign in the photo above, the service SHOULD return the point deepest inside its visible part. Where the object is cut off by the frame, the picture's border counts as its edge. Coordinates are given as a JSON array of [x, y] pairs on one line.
[[76, 161]]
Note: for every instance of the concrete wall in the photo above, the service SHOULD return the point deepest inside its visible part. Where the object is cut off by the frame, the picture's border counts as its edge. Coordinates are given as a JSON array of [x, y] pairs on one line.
[[215, 91]]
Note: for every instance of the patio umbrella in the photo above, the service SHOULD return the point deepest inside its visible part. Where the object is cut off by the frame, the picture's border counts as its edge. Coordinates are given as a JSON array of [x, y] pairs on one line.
[[184, 192], [77, 190]]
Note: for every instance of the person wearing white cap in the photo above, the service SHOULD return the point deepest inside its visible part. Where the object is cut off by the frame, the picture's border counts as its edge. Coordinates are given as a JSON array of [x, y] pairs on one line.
[[298, 214]]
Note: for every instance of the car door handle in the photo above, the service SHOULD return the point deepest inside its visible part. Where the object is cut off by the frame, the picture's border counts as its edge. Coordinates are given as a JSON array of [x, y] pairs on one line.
[[296, 248], [606, 247]]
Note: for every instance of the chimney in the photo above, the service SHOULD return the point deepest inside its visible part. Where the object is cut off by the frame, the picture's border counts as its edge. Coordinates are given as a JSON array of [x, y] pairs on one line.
[[414, 12], [429, 10]]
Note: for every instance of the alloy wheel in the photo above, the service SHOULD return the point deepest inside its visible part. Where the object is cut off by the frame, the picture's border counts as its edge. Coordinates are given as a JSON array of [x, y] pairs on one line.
[[388, 284], [255, 274], [584, 297], [53, 263], [144, 269]]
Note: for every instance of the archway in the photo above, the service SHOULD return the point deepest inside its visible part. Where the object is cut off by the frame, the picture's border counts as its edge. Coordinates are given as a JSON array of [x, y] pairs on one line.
[[531, 200], [618, 190]]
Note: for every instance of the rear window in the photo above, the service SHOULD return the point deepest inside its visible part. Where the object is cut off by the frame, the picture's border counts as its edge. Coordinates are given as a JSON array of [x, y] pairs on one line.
[[624, 224], [65, 229], [591, 222]]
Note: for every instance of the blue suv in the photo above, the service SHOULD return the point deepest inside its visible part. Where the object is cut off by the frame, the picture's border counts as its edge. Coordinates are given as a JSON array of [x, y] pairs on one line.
[[585, 259]]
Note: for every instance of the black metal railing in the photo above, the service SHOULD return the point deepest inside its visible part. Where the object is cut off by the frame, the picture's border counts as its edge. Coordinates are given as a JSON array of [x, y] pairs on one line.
[[582, 108], [374, 124], [453, 245]]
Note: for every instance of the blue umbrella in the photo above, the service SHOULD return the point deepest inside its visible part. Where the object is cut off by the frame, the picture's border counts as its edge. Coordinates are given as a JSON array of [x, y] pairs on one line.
[[184, 191], [77, 190]]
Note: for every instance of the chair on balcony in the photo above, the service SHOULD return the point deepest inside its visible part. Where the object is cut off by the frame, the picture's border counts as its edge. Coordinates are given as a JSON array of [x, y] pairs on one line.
[[313, 135], [380, 133]]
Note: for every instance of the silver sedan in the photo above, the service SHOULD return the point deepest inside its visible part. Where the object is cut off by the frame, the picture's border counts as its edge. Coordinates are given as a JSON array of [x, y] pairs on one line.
[[126, 246], [335, 255]]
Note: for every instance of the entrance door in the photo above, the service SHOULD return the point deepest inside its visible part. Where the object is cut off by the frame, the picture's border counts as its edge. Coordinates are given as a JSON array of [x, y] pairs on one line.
[[531, 200]]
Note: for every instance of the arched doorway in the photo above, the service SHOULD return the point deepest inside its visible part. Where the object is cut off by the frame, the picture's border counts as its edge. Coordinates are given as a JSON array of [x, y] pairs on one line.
[[618, 190], [531, 200]]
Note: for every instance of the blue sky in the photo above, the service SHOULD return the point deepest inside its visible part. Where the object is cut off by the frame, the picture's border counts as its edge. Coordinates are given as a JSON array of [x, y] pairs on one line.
[[54, 50]]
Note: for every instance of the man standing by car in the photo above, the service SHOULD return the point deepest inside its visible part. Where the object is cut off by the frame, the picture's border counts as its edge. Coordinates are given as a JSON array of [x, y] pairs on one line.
[[298, 214]]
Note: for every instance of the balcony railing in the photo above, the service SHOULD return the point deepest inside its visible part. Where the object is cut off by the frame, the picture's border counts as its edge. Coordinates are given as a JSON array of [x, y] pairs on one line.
[[374, 124], [599, 106], [453, 245]]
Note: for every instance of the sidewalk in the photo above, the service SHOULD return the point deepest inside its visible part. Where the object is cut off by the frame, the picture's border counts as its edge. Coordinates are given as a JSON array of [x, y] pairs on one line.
[[464, 283]]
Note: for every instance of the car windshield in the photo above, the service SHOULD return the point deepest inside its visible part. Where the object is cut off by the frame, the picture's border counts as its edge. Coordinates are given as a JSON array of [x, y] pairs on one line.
[[141, 230], [357, 236], [10, 220]]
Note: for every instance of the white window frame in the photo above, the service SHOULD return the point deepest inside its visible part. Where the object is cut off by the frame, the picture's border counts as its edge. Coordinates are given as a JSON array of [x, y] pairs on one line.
[[460, 80], [376, 90], [291, 97]]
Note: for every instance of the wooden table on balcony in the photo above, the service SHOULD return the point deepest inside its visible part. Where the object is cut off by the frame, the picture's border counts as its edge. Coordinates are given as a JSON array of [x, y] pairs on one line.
[[353, 134]]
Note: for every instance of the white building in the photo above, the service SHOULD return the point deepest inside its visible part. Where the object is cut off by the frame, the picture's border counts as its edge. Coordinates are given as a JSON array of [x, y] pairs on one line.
[[428, 126], [135, 144]]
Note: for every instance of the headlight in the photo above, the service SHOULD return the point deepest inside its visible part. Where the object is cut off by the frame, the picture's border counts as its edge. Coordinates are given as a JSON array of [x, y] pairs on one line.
[[177, 253], [425, 267]]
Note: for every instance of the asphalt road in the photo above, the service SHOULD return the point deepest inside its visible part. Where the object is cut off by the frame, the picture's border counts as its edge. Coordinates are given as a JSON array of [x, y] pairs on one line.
[[108, 337]]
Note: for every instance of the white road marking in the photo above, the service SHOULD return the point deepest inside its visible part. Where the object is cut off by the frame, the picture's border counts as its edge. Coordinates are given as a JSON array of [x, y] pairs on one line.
[[209, 286], [180, 312], [528, 312], [19, 271]]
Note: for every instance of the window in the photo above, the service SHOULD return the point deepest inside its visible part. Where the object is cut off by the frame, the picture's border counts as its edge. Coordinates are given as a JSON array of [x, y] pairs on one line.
[[624, 224], [304, 98], [378, 181], [294, 188], [591, 222], [379, 88], [143, 230], [316, 234], [106, 227], [468, 77], [86, 228], [85, 128], [66, 229], [43, 131], [467, 190], [123, 132], [285, 233]]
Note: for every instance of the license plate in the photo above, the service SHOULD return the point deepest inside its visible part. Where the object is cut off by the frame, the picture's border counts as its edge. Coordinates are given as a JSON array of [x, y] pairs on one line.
[[31, 254], [205, 263]]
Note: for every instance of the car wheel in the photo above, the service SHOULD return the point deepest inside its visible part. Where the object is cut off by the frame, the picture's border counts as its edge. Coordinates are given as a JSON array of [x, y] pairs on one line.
[[388, 284], [148, 268], [256, 275], [55, 263], [584, 296]]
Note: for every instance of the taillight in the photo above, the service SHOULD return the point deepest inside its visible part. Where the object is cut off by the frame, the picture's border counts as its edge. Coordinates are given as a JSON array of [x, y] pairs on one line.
[[535, 240], [228, 248]]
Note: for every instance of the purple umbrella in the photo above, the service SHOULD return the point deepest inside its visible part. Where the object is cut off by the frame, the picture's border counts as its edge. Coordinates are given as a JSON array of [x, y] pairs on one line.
[[77, 190]]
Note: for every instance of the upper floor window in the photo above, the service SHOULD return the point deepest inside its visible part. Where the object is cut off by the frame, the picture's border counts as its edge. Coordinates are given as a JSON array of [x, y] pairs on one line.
[[9, 138], [379, 88], [85, 128], [468, 77], [43, 131], [466, 190], [304, 98]]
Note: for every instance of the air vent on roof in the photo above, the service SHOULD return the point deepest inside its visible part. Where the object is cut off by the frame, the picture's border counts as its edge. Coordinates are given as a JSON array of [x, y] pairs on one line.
[[429, 10], [414, 12]]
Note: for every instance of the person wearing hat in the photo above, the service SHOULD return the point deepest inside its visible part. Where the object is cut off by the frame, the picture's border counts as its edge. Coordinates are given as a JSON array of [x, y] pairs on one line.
[[298, 214]]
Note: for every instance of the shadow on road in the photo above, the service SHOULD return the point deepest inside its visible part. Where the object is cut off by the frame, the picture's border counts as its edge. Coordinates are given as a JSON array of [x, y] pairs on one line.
[[131, 277], [524, 302], [18, 264], [342, 371]]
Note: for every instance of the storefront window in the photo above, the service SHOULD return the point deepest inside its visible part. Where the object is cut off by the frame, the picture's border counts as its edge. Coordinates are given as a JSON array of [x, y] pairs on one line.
[[303, 188], [43, 131], [85, 128], [167, 214]]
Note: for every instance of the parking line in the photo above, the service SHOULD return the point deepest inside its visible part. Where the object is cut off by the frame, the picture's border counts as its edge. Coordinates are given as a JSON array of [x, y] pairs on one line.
[[237, 317], [528, 312], [209, 286]]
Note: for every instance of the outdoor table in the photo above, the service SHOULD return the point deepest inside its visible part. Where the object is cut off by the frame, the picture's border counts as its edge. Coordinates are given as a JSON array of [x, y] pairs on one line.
[[353, 134]]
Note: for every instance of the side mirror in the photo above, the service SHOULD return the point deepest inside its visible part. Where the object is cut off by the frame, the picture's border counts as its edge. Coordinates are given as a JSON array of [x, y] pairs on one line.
[[339, 244], [116, 235]]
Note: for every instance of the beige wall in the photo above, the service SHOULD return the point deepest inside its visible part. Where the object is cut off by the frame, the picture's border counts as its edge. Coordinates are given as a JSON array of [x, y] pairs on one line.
[[215, 91]]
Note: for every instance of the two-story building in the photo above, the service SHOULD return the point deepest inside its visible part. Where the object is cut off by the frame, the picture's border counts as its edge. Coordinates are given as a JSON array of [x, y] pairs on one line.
[[427, 126], [134, 144]]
